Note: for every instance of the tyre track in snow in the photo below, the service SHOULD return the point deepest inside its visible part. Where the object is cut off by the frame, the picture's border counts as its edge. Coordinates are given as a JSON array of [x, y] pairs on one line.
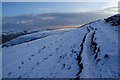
[[79, 58], [84, 58]]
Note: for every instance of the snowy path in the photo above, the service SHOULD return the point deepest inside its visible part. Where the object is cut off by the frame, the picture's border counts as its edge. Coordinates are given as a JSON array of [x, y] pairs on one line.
[[88, 61]]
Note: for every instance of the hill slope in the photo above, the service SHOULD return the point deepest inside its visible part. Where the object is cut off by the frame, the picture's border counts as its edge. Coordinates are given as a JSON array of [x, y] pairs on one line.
[[90, 51]]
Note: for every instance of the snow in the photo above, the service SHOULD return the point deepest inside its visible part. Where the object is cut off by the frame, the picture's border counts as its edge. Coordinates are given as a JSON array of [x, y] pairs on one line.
[[0, 63], [54, 53], [34, 36], [107, 40]]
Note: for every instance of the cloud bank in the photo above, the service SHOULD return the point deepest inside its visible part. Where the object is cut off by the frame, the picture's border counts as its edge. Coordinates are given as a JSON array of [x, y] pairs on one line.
[[49, 19]]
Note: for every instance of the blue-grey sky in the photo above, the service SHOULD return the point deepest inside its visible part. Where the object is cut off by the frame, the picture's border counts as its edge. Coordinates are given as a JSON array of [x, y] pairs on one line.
[[32, 15], [21, 8]]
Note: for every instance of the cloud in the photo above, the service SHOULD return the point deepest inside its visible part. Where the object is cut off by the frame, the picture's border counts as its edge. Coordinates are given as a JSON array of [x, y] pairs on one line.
[[111, 7], [24, 22], [108, 10], [47, 20], [83, 10], [44, 9], [112, 3], [113, 10]]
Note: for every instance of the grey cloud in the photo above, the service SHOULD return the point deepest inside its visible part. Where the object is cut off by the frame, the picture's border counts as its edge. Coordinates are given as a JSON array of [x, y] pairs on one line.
[[49, 19]]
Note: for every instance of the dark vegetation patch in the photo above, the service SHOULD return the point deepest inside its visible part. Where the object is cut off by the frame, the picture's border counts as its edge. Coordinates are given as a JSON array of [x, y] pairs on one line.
[[27, 40], [11, 36], [91, 28], [106, 56], [93, 36], [12, 44], [98, 49], [88, 29], [98, 60], [77, 78], [95, 47], [96, 55], [79, 58], [80, 69], [113, 20]]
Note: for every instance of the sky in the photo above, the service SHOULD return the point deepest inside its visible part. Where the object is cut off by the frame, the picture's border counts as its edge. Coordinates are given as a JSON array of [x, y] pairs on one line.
[[44, 15], [59, 0], [21, 8]]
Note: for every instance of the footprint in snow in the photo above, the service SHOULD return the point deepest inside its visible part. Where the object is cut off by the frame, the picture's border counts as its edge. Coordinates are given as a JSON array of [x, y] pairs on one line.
[[69, 68], [39, 51], [29, 58], [19, 77], [32, 68], [45, 58], [32, 55], [56, 48], [19, 67], [63, 65], [9, 74], [22, 62], [43, 47], [51, 74], [97, 60], [50, 54], [37, 63], [58, 61]]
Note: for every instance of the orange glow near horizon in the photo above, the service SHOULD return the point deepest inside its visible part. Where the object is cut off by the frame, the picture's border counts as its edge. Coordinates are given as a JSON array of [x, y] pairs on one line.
[[59, 27]]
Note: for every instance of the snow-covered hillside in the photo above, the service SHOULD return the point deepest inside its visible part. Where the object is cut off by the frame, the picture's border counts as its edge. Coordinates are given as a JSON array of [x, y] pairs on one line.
[[90, 51]]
